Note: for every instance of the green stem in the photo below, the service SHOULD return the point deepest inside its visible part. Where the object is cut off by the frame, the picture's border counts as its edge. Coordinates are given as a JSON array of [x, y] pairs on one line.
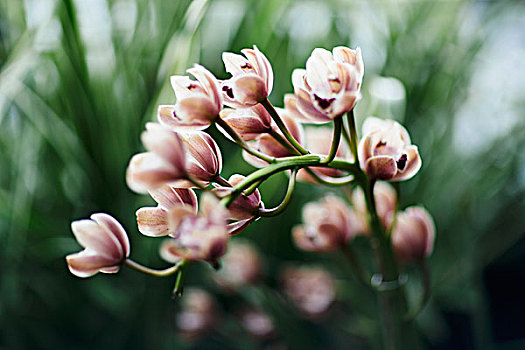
[[341, 181], [353, 135], [153, 272], [281, 165], [286, 200], [221, 181], [425, 272], [286, 163], [279, 138], [391, 300], [280, 124], [177, 289], [338, 124], [195, 182], [238, 140], [346, 136]]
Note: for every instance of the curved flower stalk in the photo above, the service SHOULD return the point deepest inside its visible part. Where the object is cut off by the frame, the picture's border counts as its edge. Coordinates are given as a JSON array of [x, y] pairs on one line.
[[197, 237], [106, 246], [244, 209], [310, 289], [328, 225], [252, 78], [413, 234], [330, 85], [274, 144], [198, 101], [153, 221], [241, 266], [386, 152], [385, 197], [318, 141]]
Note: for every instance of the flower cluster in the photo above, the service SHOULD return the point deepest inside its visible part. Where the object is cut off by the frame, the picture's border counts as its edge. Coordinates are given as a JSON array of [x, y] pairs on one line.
[[312, 138]]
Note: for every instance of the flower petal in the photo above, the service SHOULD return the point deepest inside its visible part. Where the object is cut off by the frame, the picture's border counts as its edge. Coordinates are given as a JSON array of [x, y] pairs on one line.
[[167, 117], [115, 228], [92, 236], [381, 167], [153, 222], [87, 263]]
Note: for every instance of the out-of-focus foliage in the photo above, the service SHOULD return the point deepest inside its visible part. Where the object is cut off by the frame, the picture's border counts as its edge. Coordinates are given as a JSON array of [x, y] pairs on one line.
[[78, 80]]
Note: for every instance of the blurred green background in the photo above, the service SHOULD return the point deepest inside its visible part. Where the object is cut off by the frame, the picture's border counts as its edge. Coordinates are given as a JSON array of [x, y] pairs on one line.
[[78, 80]]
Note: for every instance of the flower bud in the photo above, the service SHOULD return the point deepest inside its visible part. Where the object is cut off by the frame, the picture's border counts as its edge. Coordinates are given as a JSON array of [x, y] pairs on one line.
[[252, 78], [241, 266], [106, 246], [198, 313], [385, 151], [153, 221], [328, 225], [413, 234], [198, 102], [385, 198], [248, 123], [310, 289], [201, 236], [330, 85], [204, 159], [164, 163]]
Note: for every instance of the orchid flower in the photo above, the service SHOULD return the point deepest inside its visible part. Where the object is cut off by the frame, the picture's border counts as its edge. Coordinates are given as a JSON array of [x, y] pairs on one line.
[[252, 78], [198, 101], [330, 85], [385, 151], [106, 246]]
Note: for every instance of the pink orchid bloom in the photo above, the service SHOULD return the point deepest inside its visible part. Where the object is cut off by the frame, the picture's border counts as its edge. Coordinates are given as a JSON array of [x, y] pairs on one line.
[[153, 221], [252, 78], [244, 209], [204, 158], [106, 246], [330, 85], [199, 101], [311, 289], [386, 152], [198, 313], [242, 265], [203, 236], [248, 123], [164, 163], [327, 225], [413, 234]]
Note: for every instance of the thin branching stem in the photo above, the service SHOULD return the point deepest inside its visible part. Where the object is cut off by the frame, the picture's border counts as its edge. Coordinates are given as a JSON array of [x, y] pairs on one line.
[[153, 272], [280, 124], [238, 140], [338, 124], [286, 200]]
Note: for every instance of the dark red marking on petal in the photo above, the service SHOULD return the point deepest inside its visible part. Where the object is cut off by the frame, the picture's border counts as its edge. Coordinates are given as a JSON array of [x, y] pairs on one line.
[[246, 66], [228, 90], [402, 162], [324, 103]]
